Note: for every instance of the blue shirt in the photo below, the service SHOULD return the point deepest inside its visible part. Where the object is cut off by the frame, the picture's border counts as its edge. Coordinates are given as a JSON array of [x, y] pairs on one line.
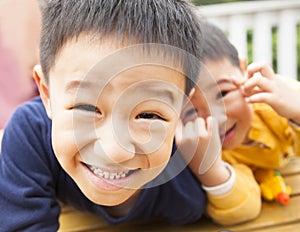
[[32, 182]]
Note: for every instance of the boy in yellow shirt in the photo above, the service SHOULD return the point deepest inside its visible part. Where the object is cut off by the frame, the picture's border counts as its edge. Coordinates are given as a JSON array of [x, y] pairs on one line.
[[257, 133]]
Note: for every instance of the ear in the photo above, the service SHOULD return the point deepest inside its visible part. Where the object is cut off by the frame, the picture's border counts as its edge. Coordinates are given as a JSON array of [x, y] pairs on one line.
[[243, 64], [191, 94], [42, 85], [188, 98]]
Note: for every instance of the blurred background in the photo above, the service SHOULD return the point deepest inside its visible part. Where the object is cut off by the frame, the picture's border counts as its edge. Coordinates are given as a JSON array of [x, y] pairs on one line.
[[19, 41], [261, 30]]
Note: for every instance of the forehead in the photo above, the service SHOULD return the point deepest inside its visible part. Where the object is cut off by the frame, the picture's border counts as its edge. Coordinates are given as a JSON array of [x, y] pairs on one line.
[[220, 70], [84, 55]]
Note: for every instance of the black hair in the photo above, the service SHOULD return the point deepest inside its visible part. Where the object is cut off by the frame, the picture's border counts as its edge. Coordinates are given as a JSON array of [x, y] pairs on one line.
[[216, 45], [167, 22]]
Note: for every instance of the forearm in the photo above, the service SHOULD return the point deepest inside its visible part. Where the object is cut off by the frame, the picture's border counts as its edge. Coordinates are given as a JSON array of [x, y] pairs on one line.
[[242, 203], [293, 94], [233, 193], [217, 174]]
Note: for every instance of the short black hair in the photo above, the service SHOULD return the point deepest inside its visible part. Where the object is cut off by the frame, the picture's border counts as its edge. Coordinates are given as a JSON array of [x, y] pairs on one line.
[[216, 45], [167, 22]]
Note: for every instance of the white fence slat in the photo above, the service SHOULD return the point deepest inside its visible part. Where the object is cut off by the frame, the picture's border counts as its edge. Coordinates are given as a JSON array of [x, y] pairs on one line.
[[260, 16], [238, 34], [262, 38], [287, 44]]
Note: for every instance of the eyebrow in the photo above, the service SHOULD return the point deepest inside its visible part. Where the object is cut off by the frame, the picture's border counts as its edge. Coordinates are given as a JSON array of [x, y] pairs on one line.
[[76, 84], [165, 92], [219, 82], [222, 81]]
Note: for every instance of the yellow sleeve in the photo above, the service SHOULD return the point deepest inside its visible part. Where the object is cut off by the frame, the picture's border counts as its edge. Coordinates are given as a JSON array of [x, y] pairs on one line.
[[241, 204], [296, 131]]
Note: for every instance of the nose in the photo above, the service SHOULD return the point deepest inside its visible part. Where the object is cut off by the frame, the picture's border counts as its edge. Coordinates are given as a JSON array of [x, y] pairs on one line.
[[114, 143]]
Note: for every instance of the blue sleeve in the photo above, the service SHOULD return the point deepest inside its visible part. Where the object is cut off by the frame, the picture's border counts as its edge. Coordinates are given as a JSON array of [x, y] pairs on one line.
[[27, 195], [181, 199]]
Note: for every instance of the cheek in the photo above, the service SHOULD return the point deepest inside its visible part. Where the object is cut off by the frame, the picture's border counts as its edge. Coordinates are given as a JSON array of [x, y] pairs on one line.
[[65, 148], [247, 117], [64, 141], [160, 158], [202, 105], [235, 105], [163, 148]]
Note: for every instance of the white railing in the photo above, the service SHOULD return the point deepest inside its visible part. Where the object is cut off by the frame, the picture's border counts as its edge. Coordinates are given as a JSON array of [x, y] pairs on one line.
[[260, 16]]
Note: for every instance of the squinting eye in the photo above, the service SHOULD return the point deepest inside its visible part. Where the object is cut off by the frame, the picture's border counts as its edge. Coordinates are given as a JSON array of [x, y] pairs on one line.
[[89, 108], [190, 112], [148, 116], [189, 115], [222, 94]]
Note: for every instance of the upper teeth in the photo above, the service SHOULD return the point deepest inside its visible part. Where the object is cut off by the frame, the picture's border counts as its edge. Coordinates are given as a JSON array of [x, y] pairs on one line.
[[107, 175]]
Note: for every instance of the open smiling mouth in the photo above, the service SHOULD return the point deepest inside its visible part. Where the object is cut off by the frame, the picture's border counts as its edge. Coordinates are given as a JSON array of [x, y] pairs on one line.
[[229, 133], [111, 175]]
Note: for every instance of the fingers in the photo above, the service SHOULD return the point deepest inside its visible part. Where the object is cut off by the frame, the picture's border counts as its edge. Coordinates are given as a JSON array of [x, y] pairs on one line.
[[195, 129], [212, 126], [188, 138], [213, 149], [260, 77], [200, 143], [178, 133], [263, 68], [260, 97], [256, 85], [238, 81], [190, 132], [200, 128]]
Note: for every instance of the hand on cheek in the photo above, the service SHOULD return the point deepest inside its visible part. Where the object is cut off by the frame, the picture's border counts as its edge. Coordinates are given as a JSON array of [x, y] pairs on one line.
[[199, 143]]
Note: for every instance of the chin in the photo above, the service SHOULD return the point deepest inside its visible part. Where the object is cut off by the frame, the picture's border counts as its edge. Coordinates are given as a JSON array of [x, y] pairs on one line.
[[112, 198], [232, 144], [228, 146]]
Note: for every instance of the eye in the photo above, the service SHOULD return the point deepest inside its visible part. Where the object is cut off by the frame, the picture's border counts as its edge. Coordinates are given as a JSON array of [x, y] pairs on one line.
[[149, 116], [222, 94], [89, 108], [190, 112], [189, 115]]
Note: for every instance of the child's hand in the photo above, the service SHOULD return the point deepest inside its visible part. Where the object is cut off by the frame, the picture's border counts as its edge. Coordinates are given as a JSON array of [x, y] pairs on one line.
[[199, 143], [268, 88]]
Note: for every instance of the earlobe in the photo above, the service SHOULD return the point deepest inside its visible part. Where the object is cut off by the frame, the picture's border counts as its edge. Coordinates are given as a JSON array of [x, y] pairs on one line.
[[43, 88]]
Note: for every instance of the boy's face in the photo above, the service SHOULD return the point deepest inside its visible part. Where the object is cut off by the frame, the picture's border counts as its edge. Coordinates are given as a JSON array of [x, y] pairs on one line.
[[112, 130], [238, 111]]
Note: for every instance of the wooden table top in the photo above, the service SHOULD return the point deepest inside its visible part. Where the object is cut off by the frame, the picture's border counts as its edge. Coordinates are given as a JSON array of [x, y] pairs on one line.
[[274, 217]]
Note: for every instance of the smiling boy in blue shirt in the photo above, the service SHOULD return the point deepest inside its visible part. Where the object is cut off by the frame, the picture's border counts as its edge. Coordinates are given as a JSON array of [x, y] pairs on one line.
[[112, 79]]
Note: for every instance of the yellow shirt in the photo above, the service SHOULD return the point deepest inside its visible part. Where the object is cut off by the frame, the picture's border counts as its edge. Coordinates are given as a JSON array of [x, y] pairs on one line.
[[274, 140], [241, 204]]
